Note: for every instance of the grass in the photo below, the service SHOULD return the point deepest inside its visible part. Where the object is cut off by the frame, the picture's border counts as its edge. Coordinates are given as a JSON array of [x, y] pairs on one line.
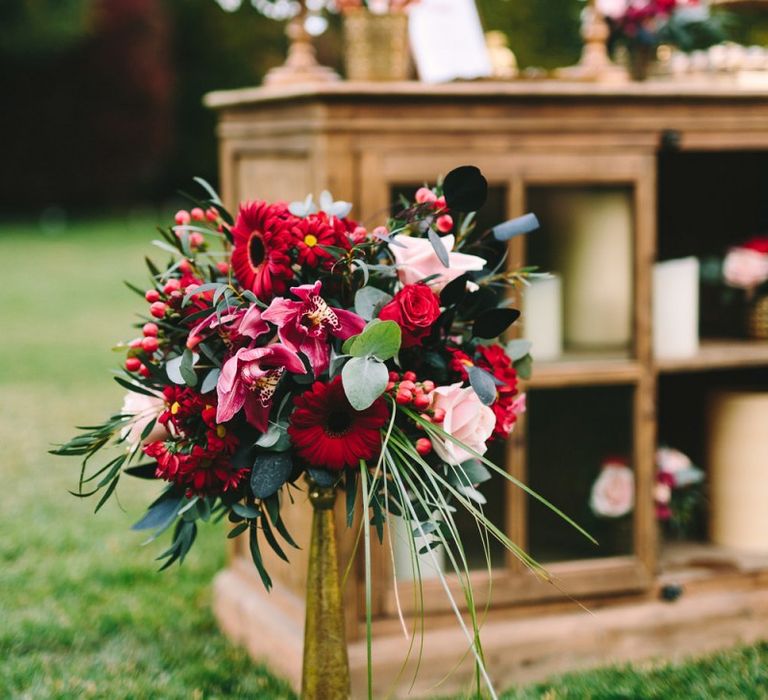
[[83, 611]]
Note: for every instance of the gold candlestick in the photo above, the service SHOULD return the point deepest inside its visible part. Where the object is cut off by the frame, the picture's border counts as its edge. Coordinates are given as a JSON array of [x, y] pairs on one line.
[[325, 672], [595, 63], [301, 66]]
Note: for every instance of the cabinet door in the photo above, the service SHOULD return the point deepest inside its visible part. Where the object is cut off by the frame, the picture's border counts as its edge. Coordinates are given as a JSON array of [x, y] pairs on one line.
[[592, 401]]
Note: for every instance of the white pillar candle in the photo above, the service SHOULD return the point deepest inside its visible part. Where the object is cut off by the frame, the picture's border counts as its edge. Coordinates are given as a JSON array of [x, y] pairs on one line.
[[676, 308], [738, 469], [543, 317], [404, 564], [592, 248]]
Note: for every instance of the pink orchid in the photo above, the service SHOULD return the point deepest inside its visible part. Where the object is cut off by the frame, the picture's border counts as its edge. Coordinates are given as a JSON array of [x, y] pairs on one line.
[[248, 381], [231, 325], [304, 326]]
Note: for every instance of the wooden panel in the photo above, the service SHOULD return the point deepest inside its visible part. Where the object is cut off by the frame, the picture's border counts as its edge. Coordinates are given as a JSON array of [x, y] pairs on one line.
[[575, 372], [273, 176], [719, 354]]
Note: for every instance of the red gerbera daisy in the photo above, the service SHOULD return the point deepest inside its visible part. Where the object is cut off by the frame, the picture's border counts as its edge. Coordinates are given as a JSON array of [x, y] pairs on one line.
[[328, 433], [314, 232], [260, 258]]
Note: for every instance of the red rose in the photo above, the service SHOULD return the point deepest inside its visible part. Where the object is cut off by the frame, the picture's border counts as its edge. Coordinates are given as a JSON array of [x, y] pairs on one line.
[[415, 308], [758, 243]]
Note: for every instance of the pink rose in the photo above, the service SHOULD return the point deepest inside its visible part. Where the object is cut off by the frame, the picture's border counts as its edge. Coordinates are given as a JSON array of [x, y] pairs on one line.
[[745, 268], [466, 419], [416, 259], [613, 493], [144, 410], [671, 461]]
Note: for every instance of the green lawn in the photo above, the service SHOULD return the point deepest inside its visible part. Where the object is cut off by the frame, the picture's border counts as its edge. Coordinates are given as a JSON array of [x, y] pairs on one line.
[[83, 612]]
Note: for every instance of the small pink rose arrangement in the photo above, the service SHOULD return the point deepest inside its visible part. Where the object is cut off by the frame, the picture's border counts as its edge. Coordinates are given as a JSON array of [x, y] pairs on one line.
[[675, 491], [746, 266]]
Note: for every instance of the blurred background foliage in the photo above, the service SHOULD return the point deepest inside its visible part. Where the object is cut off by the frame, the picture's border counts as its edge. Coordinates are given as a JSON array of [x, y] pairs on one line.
[[102, 98]]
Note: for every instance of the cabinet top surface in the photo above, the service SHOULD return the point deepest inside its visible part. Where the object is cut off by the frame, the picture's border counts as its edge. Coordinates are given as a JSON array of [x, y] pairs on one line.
[[694, 90]]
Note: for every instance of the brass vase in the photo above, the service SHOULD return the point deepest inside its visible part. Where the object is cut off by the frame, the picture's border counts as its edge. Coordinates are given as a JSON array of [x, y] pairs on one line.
[[376, 46], [640, 59], [325, 671]]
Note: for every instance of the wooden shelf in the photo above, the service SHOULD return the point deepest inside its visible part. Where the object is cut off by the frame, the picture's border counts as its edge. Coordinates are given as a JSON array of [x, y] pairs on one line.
[[584, 369], [719, 354]]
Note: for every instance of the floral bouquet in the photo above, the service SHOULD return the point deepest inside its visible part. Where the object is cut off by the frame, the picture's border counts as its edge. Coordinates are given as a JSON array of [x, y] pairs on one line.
[[745, 273], [290, 340], [675, 496], [642, 25]]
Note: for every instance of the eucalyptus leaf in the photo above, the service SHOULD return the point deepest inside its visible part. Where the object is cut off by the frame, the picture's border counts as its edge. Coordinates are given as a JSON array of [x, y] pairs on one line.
[[159, 515], [518, 348], [380, 339], [270, 471], [515, 227], [187, 369], [483, 384], [524, 367], [323, 477], [439, 248], [369, 300], [173, 370], [210, 381], [364, 380]]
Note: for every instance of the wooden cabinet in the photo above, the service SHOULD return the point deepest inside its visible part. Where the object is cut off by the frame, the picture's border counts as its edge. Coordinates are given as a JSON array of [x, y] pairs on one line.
[[540, 145]]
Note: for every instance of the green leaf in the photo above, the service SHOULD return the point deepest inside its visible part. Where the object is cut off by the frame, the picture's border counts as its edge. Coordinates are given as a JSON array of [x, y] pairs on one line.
[[210, 381], [159, 515], [237, 530], [173, 370], [439, 248], [483, 384], [257, 559], [364, 380], [380, 339], [211, 192], [518, 348], [276, 438], [244, 511], [469, 473], [187, 369], [369, 300], [270, 471], [524, 367]]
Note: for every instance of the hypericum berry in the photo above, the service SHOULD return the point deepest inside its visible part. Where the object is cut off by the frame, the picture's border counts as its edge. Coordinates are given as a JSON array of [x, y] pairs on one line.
[[440, 203], [185, 266], [150, 329], [444, 223], [407, 385], [197, 214], [394, 377], [423, 446], [135, 343], [144, 371], [223, 268], [409, 376], [172, 285], [403, 396], [149, 344], [212, 214], [158, 309], [196, 239], [421, 401], [132, 364], [380, 231], [428, 386], [182, 217], [152, 295], [424, 195], [438, 415], [390, 386]]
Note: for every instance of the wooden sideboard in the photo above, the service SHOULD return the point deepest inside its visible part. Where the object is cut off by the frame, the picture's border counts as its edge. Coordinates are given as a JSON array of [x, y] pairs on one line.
[[691, 162]]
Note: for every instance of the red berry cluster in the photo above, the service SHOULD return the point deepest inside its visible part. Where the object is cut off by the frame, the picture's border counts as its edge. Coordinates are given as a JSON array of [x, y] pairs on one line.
[[149, 343], [184, 217], [410, 392]]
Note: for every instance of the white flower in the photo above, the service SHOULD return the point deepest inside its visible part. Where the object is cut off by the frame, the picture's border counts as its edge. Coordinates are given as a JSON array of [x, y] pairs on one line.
[[417, 259], [144, 409], [744, 268], [466, 419], [613, 493]]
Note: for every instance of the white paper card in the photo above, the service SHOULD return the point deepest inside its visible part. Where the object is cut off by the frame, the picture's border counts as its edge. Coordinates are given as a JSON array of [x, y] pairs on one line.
[[447, 41]]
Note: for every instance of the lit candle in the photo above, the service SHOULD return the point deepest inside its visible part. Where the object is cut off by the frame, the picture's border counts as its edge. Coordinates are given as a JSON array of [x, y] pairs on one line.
[[676, 308], [592, 245], [543, 317]]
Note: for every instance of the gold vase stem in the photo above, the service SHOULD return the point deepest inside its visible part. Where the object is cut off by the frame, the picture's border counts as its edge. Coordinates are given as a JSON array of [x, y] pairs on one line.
[[325, 673]]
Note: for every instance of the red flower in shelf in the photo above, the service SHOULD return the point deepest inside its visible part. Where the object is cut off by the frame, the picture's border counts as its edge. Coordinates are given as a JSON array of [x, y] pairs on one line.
[[759, 244], [328, 433], [260, 257]]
